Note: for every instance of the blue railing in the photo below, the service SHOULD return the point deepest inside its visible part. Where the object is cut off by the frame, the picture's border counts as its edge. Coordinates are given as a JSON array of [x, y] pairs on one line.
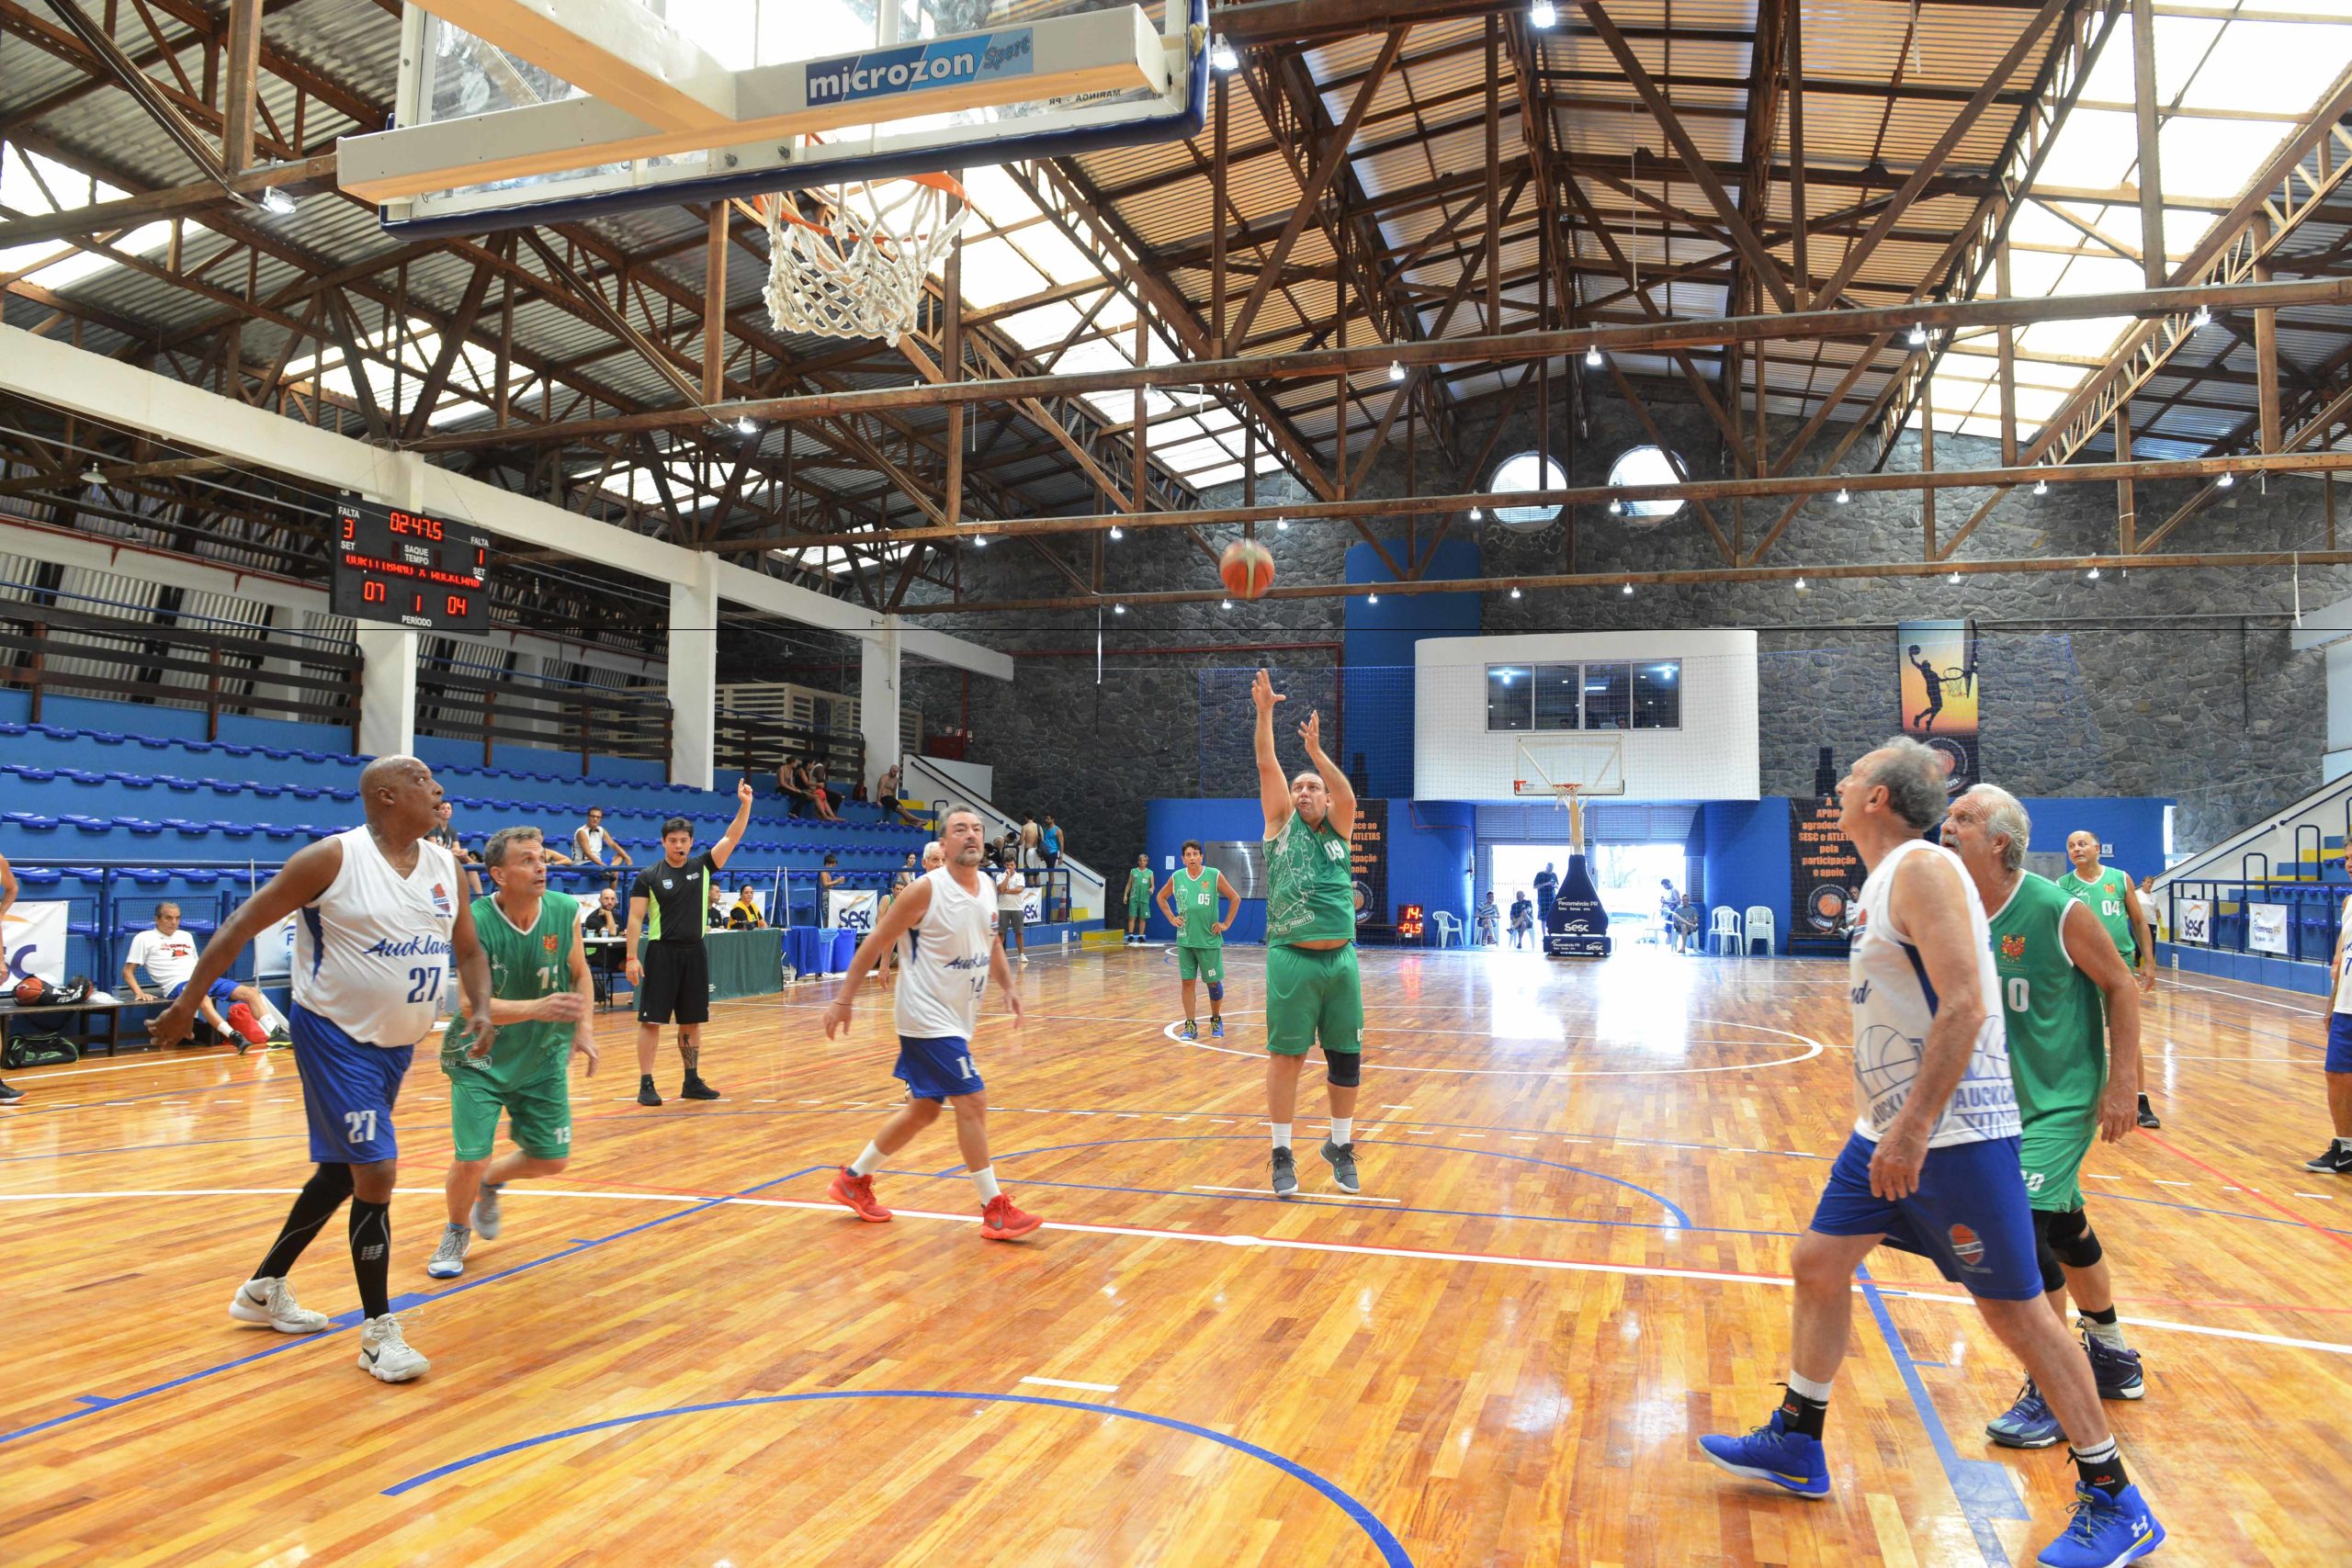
[[2311, 913]]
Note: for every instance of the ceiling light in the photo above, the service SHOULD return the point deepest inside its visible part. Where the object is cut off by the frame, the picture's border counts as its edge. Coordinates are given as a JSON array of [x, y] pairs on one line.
[[1514, 593], [1616, 509], [1396, 371], [1919, 335], [744, 426], [1221, 55], [1800, 584], [1281, 524], [1476, 513], [1117, 532], [1374, 599], [1592, 356], [276, 201], [1844, 495], [2042, 486], [1629, 591], [1118, 609], [2093, 574], [980, 541], [2204, 318], [1225, 605], [1953, 579], [1542, 14], [2225, 482], [92, 478]]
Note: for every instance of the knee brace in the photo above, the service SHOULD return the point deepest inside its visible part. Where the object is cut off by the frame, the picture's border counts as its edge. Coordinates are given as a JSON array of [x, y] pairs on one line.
[[1343, 1069], [2054, 1277], [1217, 990], [2072, 1240]]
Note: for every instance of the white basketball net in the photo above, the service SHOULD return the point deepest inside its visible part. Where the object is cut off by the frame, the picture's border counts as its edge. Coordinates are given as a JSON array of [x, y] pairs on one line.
[[861, 277]]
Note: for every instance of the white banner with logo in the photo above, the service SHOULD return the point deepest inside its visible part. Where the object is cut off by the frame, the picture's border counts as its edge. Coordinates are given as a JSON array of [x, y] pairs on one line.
[[33, 938], [849, 911], [274, 951], [2195, 921], [2265, 928]]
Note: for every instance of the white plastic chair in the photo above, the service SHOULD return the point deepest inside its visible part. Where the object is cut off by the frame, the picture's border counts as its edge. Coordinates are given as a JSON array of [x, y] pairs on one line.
[[1760, 928], [1448, 928], [1724, 926]]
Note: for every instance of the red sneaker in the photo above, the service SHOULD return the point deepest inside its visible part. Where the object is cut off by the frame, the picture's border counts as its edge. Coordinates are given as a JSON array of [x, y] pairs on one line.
[[1001, 1221], [856, 1193], [241, 1019]]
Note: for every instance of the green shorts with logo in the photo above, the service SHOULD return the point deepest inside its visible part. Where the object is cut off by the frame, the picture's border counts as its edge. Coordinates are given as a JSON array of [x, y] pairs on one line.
[[1313, 994], [1138, 906], [540, 1109], [2052, 1150], [1208, 962]]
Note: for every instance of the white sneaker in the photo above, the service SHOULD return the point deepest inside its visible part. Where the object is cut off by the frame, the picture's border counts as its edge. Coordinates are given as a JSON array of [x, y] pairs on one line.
[[485, 1215], [272, 1302], [384, 1355], [448, 1260]]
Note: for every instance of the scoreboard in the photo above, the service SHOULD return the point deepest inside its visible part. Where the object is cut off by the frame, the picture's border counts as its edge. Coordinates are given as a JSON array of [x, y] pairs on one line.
[[408, 568]]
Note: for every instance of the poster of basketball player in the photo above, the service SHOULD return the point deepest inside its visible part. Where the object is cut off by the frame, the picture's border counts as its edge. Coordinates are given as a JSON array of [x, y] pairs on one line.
[[1940, 694]]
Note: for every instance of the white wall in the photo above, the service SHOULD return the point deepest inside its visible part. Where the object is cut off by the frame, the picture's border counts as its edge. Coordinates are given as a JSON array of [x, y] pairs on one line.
[[976, 779], [1713, 756]]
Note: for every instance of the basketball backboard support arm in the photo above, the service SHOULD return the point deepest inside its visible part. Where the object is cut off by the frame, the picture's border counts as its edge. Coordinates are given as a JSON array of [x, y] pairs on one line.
[[1098, 75], [624, 53]]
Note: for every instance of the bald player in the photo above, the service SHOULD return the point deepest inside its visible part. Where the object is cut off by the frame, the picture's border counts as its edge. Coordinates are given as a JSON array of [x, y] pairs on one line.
[[381, 915]]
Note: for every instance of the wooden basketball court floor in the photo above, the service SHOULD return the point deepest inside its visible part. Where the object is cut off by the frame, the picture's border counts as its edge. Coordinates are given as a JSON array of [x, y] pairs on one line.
[[1580, 1188]]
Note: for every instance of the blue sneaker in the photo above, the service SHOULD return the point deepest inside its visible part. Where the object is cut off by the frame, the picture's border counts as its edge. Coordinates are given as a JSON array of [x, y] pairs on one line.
[[1188, 1031], [2028, 1423], [1788, 1460], [2106, 1532], [1216, 1029], [2116, 1370]]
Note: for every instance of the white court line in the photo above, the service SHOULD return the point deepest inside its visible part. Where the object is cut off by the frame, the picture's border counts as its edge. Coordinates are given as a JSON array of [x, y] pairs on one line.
[[1065, 1383], [1279, 1243], [173, 1061], [1270, 1192], [2239, 996], [1812, 1048]]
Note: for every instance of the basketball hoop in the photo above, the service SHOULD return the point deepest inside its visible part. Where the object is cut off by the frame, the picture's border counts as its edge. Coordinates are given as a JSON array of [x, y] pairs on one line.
[[860, 275]]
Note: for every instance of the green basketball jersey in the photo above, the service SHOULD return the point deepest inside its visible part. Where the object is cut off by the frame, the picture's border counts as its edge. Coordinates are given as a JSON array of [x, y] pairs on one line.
[[1138, 885], [2110, 897], [2056, 1021], [1195, 901], [1310, 893], [524, 966]]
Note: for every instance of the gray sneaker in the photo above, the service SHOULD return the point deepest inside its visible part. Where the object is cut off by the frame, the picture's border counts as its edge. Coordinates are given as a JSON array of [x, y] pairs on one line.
[[1343, 1164], [485, 1214], [448, 1260], [1285, 1173]]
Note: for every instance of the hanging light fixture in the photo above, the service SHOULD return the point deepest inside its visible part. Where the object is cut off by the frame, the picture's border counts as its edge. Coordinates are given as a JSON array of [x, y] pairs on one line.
[[744, 426], [1396, 371], [1514, 592], [980, 541], [1281, 524], [1953, 579], [1118, 609], [2226, 480], [92, 479], [1542, 14], [1373, 599], [1592, 356], [1629, 591], [1844, 495], [276, 202], [2204, 318], [2092, 574], [1221, 56], [2042, 486], [1224, 603], [1800, 584], [1117, 532], [1918, 338], [1477, 513]]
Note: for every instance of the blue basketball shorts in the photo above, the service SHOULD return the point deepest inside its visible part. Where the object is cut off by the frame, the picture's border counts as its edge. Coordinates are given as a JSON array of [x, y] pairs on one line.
[[938, 1068], [2339, 1042], [348, 1090], [222, 991], [1970, 1216]]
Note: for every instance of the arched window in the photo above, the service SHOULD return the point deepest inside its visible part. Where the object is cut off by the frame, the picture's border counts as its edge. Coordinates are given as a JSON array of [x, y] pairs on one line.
[[1527, 471], [1644, 465]]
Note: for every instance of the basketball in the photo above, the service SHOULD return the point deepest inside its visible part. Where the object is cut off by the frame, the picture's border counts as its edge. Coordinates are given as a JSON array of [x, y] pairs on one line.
[[1248, 568], [30, 990]]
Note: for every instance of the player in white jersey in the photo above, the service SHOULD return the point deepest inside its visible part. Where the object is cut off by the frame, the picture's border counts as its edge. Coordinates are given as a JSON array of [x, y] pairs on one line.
[[947, 919], [381, 910], [1932, 1165]]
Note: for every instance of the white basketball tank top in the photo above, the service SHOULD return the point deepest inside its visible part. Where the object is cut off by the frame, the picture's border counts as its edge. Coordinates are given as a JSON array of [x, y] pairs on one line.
[[372, 952], [945, 962], [2343, 977], [1894, 1004], [593, 840]]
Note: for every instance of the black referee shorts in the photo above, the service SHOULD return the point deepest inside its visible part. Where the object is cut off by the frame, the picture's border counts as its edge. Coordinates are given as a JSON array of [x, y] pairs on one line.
[[677, 983]]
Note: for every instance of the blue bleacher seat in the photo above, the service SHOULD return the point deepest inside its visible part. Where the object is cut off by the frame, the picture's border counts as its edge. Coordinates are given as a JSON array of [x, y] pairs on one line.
[[186, 827], [232, 830], [275, 754], [133, 781], [155, 742], [176, 785], [85, 824], [225, 786], [92, 874], [36, 775], [33, 821], [306, 792], [30, 877], [205, 745], [53, 731], [266, 791], [103, 736], [149, 876], [139, 826], [276, 831]]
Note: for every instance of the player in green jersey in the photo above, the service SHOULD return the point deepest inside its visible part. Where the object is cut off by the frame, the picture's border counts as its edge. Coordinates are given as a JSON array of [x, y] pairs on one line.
[[1139, 899], [2074, 1078], [2109, 891], [1313, 991], [1189, 898], [543, 1002]]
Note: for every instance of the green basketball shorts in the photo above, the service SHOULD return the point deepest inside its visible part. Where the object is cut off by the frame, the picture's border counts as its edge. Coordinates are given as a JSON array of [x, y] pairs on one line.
[[539, 1111], [1313, 994], [1206, 963], [2052, 1150]]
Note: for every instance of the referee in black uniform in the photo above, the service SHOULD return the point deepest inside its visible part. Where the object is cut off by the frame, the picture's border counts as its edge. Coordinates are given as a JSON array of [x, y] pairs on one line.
[[674, 979]]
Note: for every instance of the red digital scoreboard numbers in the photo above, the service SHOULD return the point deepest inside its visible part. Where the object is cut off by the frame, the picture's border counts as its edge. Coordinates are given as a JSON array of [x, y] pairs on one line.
[[409, 570]]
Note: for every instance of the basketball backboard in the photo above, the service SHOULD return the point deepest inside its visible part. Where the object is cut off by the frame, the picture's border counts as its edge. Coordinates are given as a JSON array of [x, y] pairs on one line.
[[1565, 768], [525, 111]]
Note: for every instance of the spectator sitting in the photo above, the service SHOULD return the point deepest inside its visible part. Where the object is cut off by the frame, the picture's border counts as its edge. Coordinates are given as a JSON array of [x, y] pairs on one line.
[[717, 921], [1688, 916], [604, 919], [822, 795], [745, 914], [1522, 917], [445, 833], [168, 954], [1486, 923], [887, 792], [594, 844], [791, 786]]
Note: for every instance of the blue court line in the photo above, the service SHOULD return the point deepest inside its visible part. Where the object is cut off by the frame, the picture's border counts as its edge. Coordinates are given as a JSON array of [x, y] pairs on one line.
[[1327, 1201], [1392, 1551], [1681, 1220], [1983, 1488], [93, 1405]]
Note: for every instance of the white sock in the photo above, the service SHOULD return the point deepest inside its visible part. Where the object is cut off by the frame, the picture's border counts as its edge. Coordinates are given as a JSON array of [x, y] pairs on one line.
[[1816, 1391], [868, 1163], [1281, 1135], [1343, 1130], [2108, 1333], [986, 1181]]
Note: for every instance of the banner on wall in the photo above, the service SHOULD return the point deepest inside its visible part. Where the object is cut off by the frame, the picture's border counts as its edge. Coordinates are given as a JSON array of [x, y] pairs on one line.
[[2195, 921], [850, 911], [1825, 875], [1940, 694], [1368, 859], [33, 938], [2265, 928], [274, 951]]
